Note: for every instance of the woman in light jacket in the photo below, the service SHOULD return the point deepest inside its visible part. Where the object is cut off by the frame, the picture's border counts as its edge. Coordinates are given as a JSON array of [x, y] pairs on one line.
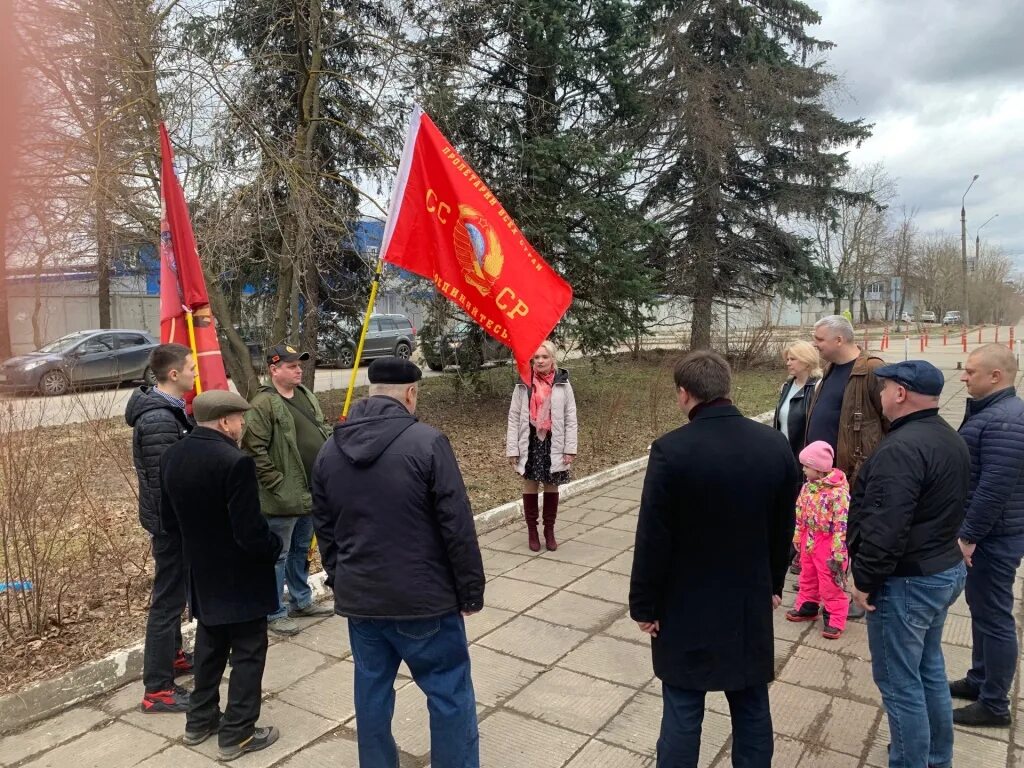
[[541, 440], [804, 367]]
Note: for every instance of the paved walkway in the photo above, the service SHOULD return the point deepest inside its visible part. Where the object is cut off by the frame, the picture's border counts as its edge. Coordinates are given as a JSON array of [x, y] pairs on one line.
[[563, 677]]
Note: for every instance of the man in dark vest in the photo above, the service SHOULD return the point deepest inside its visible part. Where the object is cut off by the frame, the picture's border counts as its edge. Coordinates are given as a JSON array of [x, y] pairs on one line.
[[712, 547], [210, 496]]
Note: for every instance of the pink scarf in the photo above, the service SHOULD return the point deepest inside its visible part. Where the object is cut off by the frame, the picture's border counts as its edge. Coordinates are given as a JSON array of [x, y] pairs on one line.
[[540, 403]]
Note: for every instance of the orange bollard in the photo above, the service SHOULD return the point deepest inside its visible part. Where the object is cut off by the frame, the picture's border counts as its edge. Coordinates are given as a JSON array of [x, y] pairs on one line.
[[963, 339], [979, 334], [997, 334], [1012, 330], [922, 342], [926, 339], [945, 336]]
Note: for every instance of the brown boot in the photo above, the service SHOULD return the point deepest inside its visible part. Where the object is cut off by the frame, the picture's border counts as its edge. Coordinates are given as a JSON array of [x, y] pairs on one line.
[[550, 513], [531, 511]]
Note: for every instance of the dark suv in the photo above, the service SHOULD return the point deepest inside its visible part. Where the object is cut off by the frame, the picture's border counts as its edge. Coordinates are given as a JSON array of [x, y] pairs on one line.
[[387, 335], [464, 344]]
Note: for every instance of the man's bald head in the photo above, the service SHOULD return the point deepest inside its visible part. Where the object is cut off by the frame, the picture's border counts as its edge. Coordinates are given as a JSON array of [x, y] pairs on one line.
[[989, 368]]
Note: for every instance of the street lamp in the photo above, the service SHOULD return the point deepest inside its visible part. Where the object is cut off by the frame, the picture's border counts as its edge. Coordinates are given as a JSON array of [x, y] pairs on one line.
[[965, 317], [977, 241]]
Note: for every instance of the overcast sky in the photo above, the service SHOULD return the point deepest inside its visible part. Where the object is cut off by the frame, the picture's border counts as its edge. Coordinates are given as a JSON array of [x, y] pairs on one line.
[[943, 82]]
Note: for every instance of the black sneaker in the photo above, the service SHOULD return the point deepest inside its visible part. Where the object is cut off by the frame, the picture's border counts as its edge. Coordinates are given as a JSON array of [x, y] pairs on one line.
[[979, 716], [174, 699], [194, 737], [807, 612], [963, 689], [261, 739]]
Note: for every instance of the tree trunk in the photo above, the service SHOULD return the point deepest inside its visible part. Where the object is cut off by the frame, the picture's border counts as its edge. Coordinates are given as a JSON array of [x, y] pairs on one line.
[[103, 248], [310, 326], [236, 353]]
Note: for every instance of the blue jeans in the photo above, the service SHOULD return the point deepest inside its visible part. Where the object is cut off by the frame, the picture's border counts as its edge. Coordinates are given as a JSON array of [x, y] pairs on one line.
[[990, 597], [292, 566], [683, 714], [905, 638], [437, 654]]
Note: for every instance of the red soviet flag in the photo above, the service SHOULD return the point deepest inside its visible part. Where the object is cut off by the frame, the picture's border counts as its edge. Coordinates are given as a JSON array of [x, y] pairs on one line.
[[445, 225], [182, 286]]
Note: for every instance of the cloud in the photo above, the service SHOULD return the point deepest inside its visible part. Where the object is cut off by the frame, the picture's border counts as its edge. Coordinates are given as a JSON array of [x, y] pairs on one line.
[[943, 83]]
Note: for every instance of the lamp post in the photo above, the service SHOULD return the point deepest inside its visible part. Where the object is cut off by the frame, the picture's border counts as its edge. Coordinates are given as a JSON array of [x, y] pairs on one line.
[[977, 241], [965, 316]]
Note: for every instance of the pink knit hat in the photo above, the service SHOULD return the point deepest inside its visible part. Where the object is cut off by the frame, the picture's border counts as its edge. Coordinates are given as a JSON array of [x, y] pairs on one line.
[[818, 455]]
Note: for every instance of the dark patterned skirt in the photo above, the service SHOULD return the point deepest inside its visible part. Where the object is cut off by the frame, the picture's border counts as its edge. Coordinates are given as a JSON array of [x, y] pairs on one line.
[[538, 462]]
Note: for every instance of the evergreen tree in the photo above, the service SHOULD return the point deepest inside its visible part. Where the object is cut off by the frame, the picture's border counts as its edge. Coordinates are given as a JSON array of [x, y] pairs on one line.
[[537, 97], [742, 146]]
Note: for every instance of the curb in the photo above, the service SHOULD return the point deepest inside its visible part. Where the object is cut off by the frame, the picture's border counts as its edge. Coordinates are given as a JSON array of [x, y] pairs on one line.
[[122, 666]]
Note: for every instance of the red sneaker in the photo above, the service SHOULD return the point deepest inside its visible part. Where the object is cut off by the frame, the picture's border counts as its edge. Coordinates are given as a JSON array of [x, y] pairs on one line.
[[831, 633], [182, 663], [172, 700]]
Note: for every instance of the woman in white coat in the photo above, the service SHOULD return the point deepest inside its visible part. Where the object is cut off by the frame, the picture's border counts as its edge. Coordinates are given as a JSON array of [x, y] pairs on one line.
[[541, 440]]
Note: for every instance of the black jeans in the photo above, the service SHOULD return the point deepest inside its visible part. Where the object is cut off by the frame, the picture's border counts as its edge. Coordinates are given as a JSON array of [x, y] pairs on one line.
[[163, 625], [247, 645], [683, 714]]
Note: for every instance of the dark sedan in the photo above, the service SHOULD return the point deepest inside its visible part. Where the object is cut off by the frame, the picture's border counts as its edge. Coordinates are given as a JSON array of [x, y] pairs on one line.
[[107, 356]]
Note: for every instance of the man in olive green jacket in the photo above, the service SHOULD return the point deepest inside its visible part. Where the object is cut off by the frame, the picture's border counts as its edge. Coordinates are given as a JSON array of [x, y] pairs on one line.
[[284, 432]]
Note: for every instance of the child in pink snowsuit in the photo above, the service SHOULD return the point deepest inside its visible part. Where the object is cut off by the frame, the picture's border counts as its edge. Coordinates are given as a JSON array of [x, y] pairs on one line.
[[820, 540]]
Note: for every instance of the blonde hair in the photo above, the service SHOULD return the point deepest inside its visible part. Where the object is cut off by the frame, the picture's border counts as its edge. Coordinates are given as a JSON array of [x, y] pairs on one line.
[[806, 353], [549, 345]]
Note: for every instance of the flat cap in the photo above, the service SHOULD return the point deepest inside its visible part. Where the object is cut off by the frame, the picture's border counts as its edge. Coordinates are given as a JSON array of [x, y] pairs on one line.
[[393, 370], [285, 353], [214, 403], [916, 375]]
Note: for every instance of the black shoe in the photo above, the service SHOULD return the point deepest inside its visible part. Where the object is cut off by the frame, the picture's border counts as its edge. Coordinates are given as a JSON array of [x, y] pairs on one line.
[[807, 612], [963, 689], [261, 739], [979, 716], [198, 736], [856, 612], [174, 699]]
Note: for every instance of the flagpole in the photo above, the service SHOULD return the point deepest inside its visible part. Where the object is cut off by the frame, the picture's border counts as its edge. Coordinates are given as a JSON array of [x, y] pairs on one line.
[[362, 336], [195, 349]]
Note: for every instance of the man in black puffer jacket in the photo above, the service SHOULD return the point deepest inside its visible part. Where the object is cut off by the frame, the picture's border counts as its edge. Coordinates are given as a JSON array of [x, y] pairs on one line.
[[399, 547], [906, 508], [157, 418], [992, 534]]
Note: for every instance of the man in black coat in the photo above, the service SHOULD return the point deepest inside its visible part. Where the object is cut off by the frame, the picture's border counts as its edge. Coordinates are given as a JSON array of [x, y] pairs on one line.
[[905, 510], [158, 421], [210, 496], [397, 541], [712, 546]]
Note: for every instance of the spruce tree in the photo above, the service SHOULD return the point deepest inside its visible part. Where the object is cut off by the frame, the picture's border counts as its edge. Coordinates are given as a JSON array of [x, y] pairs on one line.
[[742, 147]]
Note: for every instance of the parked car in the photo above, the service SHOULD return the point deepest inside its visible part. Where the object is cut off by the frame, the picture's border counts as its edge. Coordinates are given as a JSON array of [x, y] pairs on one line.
[[951, 318], [906, 317], [464, 344], [107, 356], [927, 317], [256, 357], [386, 335]]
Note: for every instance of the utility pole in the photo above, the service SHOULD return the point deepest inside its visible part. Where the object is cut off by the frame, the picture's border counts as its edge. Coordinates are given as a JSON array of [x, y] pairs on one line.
[[977, 242], [964, 313]]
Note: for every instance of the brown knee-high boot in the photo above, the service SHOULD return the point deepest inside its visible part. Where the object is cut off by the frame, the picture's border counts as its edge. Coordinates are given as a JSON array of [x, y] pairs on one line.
[[531, 511], [550, 513]]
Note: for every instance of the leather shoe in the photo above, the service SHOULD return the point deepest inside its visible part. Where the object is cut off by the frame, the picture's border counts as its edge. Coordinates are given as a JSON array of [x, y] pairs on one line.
[[963, 689], [979, 716]]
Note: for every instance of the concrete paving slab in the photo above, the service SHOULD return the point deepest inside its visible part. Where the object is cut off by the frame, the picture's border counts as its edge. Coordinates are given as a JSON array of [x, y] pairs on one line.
[[170, 725], [497, 562], [117, 745], [533, 640], [328, 637], [597, 754], [636, 727], [571, 700], [611, 659], [625, 628], [498, 676], [479, 624], [581, 553], [621, 564], [50, 733], [624, 522], [612, 538], [514, 595], [329, 693], [834, 674], [957, 630], [178, 756], [798, 712], [288, 663], [604, 585], [333, 752], [577, 611], [510, 740], [550, 573]]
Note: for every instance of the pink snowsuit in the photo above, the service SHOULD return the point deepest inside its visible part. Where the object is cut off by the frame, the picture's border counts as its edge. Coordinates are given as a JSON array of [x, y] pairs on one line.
[[820, 537]]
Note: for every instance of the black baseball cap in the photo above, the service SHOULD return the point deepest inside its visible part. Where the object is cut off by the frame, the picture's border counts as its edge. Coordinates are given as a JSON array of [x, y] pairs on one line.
[[285, 353], [916, 375]]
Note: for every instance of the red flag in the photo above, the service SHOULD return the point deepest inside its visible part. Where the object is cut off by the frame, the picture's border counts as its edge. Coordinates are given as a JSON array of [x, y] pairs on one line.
[[182, 286], [445, 225]]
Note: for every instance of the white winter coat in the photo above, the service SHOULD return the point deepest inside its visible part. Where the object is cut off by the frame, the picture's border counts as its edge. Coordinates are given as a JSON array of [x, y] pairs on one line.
[[563, 424]]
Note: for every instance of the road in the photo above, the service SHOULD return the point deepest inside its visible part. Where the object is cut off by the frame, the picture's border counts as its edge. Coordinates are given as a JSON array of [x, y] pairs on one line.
[[34, 411]]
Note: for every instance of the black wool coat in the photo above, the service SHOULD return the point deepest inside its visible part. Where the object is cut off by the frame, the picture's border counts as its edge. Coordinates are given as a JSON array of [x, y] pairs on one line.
[[712, 547], [209, 493]]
